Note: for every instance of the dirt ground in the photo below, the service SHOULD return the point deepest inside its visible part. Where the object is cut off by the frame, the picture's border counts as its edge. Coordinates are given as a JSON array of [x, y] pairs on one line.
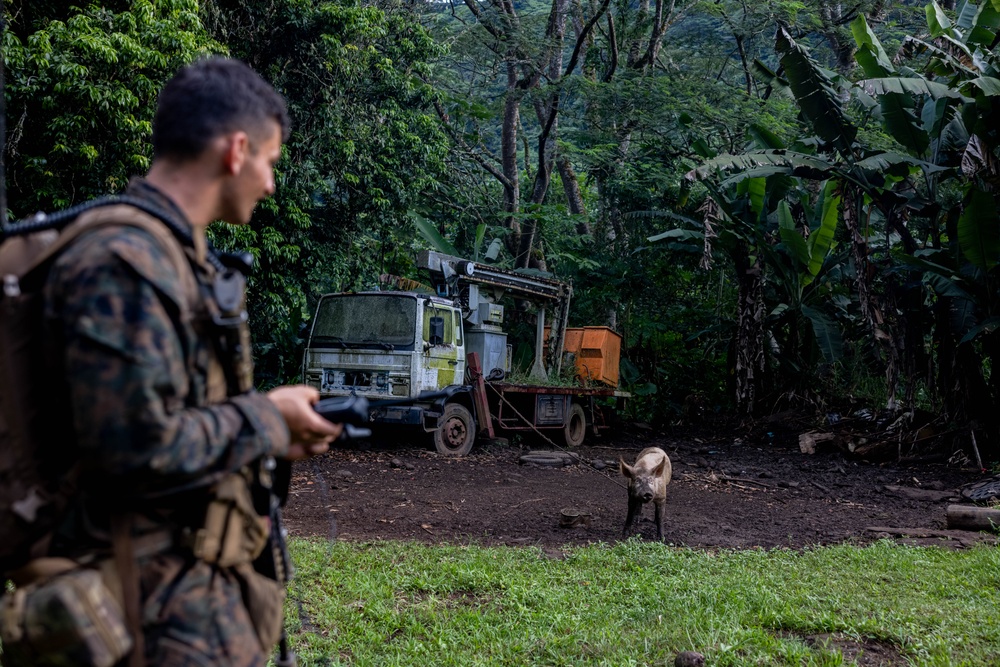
[[728, 491]]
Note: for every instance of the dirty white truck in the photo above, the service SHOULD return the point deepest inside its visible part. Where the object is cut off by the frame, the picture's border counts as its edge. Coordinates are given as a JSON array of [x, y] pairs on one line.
[[397, 344]]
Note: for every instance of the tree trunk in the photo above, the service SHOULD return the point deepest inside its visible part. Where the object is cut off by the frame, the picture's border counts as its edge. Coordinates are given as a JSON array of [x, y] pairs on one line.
[[508, 155], [869, 309], [574, 199], [750, 360]]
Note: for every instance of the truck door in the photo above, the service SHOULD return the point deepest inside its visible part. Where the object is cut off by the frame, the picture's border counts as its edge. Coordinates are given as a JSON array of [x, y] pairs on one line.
[[444, 345]]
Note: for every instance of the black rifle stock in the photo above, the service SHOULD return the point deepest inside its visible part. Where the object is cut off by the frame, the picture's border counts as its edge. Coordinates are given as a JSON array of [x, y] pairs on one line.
[[353, 411]]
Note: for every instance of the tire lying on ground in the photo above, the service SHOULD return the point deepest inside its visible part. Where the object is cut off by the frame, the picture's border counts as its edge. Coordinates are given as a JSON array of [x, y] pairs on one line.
[[553, 459]]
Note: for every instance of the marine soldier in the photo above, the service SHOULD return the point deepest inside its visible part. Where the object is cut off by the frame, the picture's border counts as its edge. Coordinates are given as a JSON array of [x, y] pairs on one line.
[[156, 377]]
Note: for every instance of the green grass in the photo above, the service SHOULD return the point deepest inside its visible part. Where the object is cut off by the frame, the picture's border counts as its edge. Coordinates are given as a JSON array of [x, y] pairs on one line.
[[638, 603]]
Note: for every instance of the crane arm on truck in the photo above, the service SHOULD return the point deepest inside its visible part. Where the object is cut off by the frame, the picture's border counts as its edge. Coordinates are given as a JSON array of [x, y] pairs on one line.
[[454, 275]]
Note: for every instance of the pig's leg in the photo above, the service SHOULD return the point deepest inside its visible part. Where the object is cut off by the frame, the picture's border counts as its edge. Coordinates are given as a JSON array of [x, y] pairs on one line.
[[658, 505], [634, 508]]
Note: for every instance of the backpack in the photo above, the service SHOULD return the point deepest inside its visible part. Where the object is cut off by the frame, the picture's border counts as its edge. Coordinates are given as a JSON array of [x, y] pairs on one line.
[[37, 481]]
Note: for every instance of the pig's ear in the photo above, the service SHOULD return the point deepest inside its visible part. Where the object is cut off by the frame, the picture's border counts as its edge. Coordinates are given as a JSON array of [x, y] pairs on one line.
[[624, 467], [658, 470]]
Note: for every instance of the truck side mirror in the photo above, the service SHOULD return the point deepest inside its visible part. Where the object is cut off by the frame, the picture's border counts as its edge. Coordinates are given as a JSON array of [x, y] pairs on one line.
[[436, 331]]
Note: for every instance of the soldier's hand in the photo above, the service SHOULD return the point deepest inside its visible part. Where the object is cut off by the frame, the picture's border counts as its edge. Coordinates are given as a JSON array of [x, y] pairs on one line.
[[310, 433]]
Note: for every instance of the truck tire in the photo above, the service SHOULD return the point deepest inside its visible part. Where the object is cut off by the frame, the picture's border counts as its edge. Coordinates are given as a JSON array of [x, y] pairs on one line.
[[457, 431], [576, 426]]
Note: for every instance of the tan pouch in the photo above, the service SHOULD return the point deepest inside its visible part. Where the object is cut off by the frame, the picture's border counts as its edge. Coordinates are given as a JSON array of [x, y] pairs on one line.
[[265, 601], [69, 619], [234, 533]]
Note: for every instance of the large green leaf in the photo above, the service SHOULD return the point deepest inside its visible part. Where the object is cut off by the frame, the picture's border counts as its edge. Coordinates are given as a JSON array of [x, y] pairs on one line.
[[989, 325], [828, 336], [432, 235], [979, 230], [913, 86], [984, 26], [987, 85], [937, 21], [480, 235], [966, 14], [765, 138], [903, 124], [883, 162], [768, 76], [814, 91], [942, 62], [945, 287], [821, 239], [791, 236], [870, 55], [781, 161], [755, 190], [677, 235]]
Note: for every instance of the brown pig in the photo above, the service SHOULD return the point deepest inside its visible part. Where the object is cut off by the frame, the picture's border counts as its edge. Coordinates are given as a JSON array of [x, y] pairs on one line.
[[647, 481]]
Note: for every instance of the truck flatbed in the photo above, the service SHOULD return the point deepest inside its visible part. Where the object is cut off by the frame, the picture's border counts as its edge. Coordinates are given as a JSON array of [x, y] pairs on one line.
[[515, 388]]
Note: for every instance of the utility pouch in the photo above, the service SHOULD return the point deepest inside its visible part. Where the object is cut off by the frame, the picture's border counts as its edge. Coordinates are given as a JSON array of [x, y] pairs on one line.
[[71, 618], [265, 600], [234, 534]]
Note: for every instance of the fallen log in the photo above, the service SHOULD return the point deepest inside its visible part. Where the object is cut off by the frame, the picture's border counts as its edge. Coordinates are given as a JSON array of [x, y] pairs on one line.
[[927, 495], [970, 517], [879, 450]]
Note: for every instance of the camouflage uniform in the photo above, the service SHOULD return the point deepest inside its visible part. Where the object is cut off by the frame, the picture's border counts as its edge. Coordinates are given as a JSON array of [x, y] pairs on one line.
[[136, 385]]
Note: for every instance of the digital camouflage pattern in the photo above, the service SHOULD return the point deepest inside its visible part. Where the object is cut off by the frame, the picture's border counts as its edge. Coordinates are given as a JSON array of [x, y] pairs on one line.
[[135, 374], [67, 621]]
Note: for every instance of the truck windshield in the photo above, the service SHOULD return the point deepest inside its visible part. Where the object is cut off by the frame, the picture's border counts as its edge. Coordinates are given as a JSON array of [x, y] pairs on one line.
[[366, 320]]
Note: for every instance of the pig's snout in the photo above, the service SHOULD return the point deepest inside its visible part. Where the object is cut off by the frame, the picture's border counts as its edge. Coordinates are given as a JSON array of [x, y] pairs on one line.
[[646, 497]]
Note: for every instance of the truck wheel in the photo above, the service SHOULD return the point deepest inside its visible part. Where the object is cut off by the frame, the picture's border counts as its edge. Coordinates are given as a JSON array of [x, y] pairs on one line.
[[457, 431], [576, 426]]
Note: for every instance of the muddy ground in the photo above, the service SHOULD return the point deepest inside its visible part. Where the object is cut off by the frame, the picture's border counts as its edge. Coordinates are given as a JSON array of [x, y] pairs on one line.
[[728, 491]]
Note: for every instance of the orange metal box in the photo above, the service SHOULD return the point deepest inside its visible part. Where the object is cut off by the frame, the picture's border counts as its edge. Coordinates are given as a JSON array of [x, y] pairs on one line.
[[597, 351]]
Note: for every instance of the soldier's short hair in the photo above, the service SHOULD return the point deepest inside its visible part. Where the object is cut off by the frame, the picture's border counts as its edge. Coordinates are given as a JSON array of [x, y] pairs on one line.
[[210, 98]]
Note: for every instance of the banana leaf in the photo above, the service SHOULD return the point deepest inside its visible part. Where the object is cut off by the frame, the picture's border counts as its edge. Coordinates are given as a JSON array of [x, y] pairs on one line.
[[432, 235], [937, 21], [821, 240], [765, 138], [912, 86], [790, 236], [979, 230], [828, 336], [987, 85], [814, 91], [903, 124], [870, 55], [771, 161], [989, 325], [677, 235]]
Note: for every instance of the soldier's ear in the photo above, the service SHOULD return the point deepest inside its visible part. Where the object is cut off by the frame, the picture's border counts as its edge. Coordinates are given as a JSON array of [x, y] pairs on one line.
[[624, 468], [236, 150]]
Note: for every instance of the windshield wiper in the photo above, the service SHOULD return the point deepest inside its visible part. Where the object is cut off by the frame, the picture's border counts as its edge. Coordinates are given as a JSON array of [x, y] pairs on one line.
[[330, 339], [385, 346]]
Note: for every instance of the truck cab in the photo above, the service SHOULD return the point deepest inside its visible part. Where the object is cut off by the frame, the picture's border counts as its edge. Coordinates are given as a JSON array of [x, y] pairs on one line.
[[385, 345]]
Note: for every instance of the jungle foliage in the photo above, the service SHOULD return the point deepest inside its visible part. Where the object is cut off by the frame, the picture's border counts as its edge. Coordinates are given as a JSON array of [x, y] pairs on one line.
[[779, 203]]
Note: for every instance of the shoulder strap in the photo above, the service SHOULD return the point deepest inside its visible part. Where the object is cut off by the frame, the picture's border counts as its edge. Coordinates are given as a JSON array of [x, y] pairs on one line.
[[127, 215], [124, 215]]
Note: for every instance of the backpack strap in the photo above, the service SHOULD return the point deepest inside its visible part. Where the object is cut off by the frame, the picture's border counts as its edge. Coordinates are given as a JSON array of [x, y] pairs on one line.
[[129, 216], [161, 231]]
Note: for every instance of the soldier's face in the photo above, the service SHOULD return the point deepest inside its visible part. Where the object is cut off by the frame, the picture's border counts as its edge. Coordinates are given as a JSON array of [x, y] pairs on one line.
[[254, 179]]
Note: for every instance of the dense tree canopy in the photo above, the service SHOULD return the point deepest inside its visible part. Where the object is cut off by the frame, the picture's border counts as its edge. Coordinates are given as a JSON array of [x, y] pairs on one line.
[[775, 203]]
